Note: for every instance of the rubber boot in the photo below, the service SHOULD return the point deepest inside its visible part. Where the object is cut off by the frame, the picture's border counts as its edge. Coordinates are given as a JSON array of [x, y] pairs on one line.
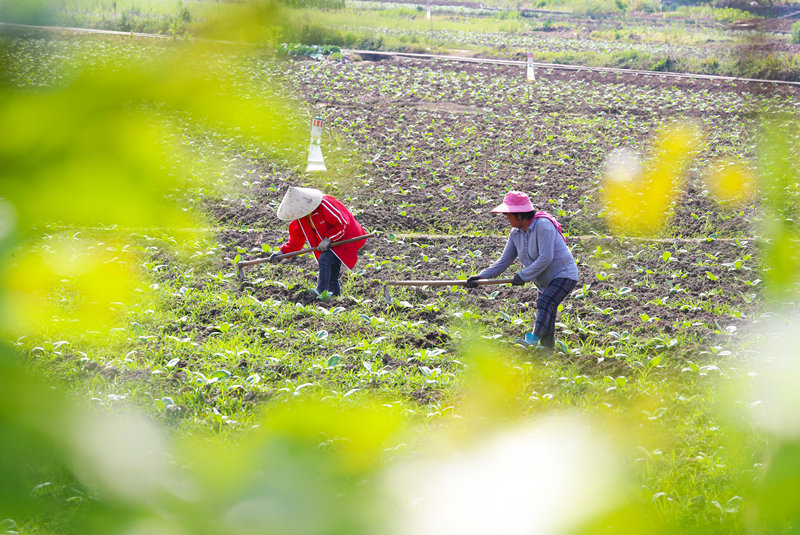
[[530, 340]]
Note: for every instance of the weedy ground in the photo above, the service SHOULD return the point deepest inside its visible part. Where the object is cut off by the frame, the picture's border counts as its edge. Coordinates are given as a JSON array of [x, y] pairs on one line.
[[654, 334]]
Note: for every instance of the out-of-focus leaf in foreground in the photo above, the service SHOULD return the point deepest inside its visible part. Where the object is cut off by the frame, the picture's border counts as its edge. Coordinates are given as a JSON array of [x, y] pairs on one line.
[[638, 196], [65, 280], [102, 149], [773, 504], [731, 182], [306, 470], [31, 417], [99, 149], [548, 476], [779, 175]]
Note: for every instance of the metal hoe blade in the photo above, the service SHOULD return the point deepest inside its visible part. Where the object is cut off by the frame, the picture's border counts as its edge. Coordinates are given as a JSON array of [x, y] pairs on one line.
[[386, 296]]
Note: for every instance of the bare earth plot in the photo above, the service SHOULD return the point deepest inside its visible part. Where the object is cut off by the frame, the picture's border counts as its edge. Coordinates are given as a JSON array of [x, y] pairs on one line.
[[421, 150], [442, 142]]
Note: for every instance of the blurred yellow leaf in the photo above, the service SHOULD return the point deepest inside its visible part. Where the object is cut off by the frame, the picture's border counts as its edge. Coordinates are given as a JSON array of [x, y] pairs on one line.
[[731, 181], [66, 281], [638, 196], [493, 386]]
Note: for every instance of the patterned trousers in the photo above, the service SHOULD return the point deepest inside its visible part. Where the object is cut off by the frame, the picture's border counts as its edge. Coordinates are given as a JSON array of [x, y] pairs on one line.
[[547, 307]]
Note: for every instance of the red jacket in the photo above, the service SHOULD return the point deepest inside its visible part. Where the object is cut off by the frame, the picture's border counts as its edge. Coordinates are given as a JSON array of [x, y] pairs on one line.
[[329, 220]]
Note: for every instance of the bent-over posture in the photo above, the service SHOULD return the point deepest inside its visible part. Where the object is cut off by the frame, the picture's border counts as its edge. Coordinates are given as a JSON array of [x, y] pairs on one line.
[[536, 240], [320, 219]]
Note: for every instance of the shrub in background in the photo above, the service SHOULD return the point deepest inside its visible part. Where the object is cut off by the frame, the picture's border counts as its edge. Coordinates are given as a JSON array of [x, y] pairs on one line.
[[593, 8], [664, 64]]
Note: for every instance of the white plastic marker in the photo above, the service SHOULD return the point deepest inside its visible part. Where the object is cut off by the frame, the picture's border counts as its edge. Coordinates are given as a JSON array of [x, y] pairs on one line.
[[316, 128], [428, 12], [530, 74], [315, 160]]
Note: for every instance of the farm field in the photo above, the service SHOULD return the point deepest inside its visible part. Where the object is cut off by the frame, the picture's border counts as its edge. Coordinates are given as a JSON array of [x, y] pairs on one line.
[[658, 335], [626, 34]]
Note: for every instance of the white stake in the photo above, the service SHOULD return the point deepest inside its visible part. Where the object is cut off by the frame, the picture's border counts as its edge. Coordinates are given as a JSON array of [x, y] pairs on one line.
[[530, 75], [316, 128], [315, 160]]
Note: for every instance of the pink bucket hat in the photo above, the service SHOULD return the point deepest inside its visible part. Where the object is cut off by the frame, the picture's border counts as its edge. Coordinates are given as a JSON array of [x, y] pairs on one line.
[[514, 202]]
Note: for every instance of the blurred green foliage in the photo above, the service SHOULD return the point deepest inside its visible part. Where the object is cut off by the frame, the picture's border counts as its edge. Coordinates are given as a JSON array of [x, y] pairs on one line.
[[99, 149], [779, 174], [102, 149]]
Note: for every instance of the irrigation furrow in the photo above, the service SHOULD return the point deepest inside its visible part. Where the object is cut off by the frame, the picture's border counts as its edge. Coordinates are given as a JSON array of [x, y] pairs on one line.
[[577, 68], [400, 235]]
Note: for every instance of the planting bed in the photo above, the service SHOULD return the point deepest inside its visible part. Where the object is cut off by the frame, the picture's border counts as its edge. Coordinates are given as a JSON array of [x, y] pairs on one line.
[[421, 150], [441, 142]]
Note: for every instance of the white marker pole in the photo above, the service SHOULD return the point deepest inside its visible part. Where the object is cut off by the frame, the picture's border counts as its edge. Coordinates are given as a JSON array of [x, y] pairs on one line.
[[316, 128], [315, 160], [530, 74], [428, 12]]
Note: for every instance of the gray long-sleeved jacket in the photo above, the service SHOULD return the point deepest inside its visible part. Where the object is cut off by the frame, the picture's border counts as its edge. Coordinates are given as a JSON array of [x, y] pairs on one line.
[[542, 252]]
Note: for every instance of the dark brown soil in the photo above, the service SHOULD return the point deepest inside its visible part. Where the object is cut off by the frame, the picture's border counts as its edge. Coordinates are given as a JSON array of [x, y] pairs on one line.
[[457, 193], [630, 288]]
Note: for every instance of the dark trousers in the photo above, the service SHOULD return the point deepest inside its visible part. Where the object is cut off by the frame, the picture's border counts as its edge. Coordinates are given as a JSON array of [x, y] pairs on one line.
[[547, 307], [329, 269]]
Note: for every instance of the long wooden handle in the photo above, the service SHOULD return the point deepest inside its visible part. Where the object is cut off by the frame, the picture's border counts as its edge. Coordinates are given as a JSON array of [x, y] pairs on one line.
[[303, 251], [452, 282]]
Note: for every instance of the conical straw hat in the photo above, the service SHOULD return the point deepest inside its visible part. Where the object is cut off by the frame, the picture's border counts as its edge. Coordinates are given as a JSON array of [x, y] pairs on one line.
[[298, 202]]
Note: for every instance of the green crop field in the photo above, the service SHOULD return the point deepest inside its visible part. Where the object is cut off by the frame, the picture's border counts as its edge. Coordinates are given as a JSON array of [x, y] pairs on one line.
[[145, 388]]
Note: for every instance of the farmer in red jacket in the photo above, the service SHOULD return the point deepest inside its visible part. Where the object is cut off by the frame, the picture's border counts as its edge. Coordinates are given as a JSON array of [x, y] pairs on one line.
[[320, 219]]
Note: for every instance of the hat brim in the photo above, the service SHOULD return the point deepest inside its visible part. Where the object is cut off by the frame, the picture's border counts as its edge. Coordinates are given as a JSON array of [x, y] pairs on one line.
[[518, 209], [299, 202]]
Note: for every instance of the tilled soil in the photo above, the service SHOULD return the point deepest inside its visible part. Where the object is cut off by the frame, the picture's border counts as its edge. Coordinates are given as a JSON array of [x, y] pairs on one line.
[[675, 296], [436, 162], [416, 178]]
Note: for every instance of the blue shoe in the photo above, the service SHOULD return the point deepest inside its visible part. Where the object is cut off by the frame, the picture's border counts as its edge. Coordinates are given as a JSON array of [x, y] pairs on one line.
[[530, 340]]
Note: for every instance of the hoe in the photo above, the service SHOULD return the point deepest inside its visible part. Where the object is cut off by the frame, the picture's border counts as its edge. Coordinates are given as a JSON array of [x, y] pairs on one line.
[[243, 263], [480, 282]]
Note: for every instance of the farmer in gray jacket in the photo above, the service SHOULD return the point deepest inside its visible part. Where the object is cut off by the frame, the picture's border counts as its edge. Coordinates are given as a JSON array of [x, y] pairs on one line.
[[536, 240]]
